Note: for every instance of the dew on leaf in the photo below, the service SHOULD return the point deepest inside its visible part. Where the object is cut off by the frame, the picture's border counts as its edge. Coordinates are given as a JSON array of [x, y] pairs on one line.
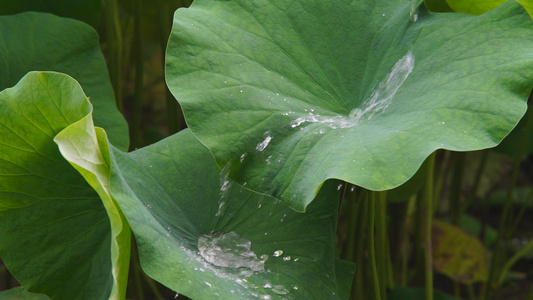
[[229, 250]]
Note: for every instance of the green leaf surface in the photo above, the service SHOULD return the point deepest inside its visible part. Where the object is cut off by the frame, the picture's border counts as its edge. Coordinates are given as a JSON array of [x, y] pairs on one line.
[[55, 233], [19, 293], [287, 94], [175, 198], [44, 42], [87, 11]]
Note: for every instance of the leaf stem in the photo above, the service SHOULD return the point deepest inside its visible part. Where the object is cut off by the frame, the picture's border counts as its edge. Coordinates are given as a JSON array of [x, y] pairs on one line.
[[381, 241], [360, 245], [428, 222], [503, 232], [139, 73], [114, 42], [371, 246]]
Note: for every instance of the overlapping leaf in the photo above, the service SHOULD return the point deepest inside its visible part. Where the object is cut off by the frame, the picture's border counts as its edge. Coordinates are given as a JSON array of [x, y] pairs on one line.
[[43, 42], [83, 10], [287, 94], [173, 194], [56, 237]]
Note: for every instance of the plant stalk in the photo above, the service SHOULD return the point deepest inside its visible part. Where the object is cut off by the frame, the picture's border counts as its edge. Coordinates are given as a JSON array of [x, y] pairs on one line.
[[503, 232], [428, 222], [381, 241], [371, 246], [135, 135], [114, 42], [362, 221]]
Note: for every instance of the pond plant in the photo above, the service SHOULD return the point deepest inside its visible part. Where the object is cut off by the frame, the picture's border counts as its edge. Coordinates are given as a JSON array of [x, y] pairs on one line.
[[307, 122]]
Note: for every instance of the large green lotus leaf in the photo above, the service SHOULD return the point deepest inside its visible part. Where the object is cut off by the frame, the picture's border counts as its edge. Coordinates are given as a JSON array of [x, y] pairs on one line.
[[87, 11], [287, 94], [43, 42], [181, 207], [55, 233]]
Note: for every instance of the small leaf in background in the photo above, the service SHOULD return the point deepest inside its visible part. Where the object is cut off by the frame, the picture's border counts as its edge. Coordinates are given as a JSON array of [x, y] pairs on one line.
[[288, 94], [43, 42], [56, 235], [206, 237], [19, 293], [87, 11], [457, 254]]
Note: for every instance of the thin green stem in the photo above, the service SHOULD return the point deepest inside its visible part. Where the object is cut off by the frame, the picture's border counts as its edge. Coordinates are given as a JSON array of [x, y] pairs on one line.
[[503, 232], [428, 221], [381, 241], [114, 42], [527, 249], [135, 134], [456, 187], [523, 209], [390, 273], [530, 295], [371, 246], [174, 116], [477, 181], [355, 208], [404, 246], [362, 221]]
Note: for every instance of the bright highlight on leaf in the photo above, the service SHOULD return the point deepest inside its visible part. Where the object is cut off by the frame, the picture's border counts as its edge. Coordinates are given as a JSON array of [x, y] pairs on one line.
[[289, 94]]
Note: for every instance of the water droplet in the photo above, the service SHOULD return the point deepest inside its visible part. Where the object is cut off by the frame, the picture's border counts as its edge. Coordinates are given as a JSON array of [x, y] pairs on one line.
[[261, 146], [149, 206], [339, 187], [278, 253], [176, 296], [229, 250], [279, 289], [243, 156], [207, 283], [295, 287], [286, 258], [382, 96]]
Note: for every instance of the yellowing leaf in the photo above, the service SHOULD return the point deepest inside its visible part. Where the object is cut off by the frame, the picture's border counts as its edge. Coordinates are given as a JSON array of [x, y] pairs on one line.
[[457, 254]]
